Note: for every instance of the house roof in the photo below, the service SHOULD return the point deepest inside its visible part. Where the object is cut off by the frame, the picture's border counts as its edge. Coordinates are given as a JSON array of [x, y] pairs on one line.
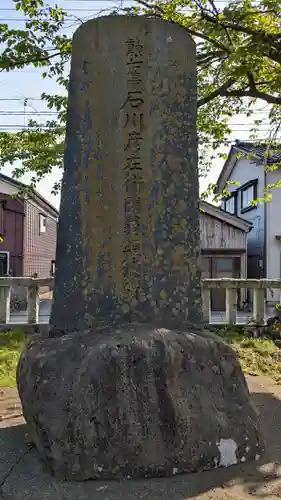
[[35, 194], [261, 150], [222, 215], [257, 150]]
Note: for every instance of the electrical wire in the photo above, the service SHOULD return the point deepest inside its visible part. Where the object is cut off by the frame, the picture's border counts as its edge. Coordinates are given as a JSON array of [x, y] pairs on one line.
[[32, 113], [68, 18], [22, 99], [67, 24], [245, 126], [55, 113], [20, 128]]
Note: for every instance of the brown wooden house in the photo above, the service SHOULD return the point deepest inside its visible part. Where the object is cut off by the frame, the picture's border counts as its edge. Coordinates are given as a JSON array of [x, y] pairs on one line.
[[28, 227], [223, 249]]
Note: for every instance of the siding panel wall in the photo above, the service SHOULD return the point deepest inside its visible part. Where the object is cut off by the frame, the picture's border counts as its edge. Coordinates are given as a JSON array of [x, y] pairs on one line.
[[216, 234], [39, 249], [12, 224]]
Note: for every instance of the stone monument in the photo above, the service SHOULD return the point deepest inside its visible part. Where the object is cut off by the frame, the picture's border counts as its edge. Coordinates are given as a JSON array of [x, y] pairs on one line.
[[128, 241], [128, 384]]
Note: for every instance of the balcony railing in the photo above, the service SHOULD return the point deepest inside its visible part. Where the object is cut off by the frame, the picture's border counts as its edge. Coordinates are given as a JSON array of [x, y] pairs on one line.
[[231, 285], [9, 286], [33, 314]]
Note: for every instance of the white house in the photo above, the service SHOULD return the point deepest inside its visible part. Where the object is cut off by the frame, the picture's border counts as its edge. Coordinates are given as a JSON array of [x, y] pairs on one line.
[[247, 164]]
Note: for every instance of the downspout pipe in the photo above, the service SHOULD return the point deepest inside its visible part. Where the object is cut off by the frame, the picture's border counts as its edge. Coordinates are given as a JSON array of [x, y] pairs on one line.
[[265, 234]]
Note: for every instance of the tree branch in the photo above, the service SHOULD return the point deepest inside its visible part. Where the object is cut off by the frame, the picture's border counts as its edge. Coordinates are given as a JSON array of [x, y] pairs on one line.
[[253, 92], [148, 6], [20, 62], [274, 55], [208, 39], [251, 80], [217, 12], [256, 94], [209, 56], [254, 12], [216, 93], [190, 30], [271, 52], [236, 27], [214, 7], [268, 38]]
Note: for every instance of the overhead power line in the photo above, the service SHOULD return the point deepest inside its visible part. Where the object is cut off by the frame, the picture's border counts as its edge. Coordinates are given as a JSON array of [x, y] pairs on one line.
[[23, 113], [107, 1], [69, 18], [43, 127], [51, 113], [66, 10], [24, 98], [21, 98], [208, 142], [26, 20], [26, 126]]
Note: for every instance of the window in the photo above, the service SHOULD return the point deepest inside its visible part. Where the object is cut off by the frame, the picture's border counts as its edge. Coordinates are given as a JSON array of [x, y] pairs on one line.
[[230, 205], [222, 265], [248, 195], [4, 263], [42, 223], [53, 268]]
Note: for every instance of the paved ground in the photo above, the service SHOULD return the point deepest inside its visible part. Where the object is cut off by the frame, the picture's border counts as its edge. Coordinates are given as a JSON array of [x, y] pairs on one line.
[[23, 478], [10, 408], [45, 310]]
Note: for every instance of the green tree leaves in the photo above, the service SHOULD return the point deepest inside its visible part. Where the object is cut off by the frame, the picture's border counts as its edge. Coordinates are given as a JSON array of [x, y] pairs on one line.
[[238, 57]]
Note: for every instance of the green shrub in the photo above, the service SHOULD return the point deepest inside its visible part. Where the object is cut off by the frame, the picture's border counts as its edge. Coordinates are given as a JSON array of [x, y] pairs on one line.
[[11, 345], [257, 356]]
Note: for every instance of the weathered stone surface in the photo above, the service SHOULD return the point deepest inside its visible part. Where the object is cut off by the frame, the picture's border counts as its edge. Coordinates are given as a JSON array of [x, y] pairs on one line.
[[128, 238], [102, 399], [138, 402]]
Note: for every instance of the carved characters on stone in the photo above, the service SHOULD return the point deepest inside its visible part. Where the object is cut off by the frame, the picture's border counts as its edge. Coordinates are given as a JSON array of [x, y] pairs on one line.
[[133, 127]]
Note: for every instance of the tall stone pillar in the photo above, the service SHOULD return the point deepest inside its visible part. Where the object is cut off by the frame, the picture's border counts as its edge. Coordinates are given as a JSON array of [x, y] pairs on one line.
[[128, 237], [124, 387]]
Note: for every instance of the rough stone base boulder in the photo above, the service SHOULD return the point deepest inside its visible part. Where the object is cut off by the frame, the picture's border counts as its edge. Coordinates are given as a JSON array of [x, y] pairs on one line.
[[136, 402]]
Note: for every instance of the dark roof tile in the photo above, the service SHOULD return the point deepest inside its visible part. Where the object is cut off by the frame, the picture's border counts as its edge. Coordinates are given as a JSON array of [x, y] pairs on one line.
[[262, 150]]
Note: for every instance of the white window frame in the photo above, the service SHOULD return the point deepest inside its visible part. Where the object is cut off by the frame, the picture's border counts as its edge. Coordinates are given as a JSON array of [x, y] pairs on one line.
[[42, 223], [249, 189], [232, 200]]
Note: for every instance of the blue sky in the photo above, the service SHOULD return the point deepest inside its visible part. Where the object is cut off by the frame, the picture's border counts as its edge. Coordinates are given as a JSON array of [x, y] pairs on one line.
[[18, 85]]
